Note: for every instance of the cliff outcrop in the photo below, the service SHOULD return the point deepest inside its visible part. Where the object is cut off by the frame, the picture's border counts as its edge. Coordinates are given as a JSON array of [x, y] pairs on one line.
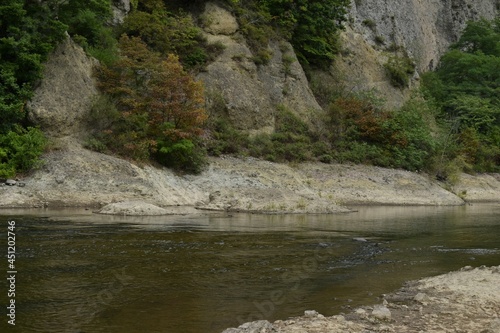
[[251, 93], [422, 29], [63, 99]]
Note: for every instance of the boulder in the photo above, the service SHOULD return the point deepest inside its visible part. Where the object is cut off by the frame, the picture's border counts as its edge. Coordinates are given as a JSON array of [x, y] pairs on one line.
[[381, 312]]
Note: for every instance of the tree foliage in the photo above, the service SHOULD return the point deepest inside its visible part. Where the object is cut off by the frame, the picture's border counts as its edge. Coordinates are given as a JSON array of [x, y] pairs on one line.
[[161, 106], [311, 26], [29, 31], [166, 32], [466, 88]]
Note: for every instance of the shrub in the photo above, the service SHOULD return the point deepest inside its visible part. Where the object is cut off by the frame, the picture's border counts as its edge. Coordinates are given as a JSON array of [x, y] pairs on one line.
[[167, 33], [399, 69], [366, 134], [20, 150]]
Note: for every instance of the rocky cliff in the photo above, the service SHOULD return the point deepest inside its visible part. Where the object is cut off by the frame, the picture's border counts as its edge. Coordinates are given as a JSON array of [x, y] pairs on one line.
[[420, 29], [252, 93], [73, 176], [423, 29]]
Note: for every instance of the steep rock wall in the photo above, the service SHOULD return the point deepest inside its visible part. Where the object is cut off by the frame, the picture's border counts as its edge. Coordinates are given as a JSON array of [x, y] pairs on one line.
[[65, 95], [423, 28], [251, 93]]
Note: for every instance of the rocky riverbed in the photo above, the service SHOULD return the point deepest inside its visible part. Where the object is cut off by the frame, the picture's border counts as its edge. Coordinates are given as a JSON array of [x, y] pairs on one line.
[[75, 177], [464, 301]]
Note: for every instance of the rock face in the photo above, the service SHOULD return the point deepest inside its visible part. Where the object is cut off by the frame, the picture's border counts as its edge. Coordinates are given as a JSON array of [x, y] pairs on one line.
[[252, 93], [423, 28], [120, 10], [66, 93]]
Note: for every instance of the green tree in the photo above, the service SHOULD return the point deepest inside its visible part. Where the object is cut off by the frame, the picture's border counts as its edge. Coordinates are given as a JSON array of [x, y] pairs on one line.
[[466, 87], [311, 26], [28, 33]]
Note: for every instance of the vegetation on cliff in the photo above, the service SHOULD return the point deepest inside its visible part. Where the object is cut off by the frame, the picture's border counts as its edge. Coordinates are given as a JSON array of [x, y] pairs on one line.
[[152, 108], [28, 33], [466, 92]]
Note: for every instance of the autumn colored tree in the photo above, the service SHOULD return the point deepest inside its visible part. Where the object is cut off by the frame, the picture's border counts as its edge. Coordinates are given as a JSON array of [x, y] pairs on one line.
[[161, 107]]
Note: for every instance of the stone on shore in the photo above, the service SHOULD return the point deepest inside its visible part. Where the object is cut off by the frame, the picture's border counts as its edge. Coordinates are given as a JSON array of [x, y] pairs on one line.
[[133, 208]]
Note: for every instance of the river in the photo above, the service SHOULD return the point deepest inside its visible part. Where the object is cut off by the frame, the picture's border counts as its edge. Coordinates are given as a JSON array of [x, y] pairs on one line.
[[81, 272]]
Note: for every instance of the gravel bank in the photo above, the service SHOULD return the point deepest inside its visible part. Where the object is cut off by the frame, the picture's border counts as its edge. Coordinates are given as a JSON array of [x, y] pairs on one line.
[[463, 301]]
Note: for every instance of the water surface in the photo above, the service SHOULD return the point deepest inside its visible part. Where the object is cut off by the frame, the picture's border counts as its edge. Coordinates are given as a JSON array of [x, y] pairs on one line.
[[79, 272]]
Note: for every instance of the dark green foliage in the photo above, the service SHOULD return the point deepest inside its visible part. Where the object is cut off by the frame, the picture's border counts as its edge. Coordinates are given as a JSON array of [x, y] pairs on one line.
[[89, 24], [310, 25], [225, 138], [166, 32], [362, 133], [292, 141], [466, 88], [181, 155], [29, 31], [20, 150]]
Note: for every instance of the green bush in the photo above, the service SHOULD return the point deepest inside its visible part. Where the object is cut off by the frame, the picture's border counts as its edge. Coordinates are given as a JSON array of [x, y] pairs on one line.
[[168, 33], [20, 150], [311, 26], [182, 155], [362, 133]]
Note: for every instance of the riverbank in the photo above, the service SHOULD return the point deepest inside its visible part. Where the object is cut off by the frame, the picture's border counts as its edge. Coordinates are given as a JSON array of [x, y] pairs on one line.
[[463, 301], [75, 177]]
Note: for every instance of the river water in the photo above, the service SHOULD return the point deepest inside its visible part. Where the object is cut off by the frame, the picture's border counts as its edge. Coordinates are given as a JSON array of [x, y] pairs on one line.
[[79, 272]]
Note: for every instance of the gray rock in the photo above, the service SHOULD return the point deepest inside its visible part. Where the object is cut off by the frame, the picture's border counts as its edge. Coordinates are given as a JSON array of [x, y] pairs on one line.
[[10, 182], [62, 100], [259, 326], [120, 10], [311, 313], [381, 312], [218, 21], [421, 298], [133, 208], [250, 94]]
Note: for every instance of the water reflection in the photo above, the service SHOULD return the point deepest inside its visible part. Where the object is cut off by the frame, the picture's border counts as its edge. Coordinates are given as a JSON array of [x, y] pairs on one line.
[[81, 272]]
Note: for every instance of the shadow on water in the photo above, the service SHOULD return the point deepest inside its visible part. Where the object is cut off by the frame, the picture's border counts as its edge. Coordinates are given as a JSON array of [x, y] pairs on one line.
[[79, 272]]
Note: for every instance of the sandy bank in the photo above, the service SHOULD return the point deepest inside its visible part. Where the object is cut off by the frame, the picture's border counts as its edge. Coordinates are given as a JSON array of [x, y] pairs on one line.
[[464, 301], [76, 177]]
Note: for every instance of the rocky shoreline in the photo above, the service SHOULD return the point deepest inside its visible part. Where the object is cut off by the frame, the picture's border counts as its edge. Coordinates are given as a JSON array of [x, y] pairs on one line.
[[75, 177], [467, 300]]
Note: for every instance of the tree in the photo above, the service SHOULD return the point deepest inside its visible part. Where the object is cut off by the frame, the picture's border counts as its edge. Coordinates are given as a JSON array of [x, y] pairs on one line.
[[162, 106], [311, 25], [466, 87]]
